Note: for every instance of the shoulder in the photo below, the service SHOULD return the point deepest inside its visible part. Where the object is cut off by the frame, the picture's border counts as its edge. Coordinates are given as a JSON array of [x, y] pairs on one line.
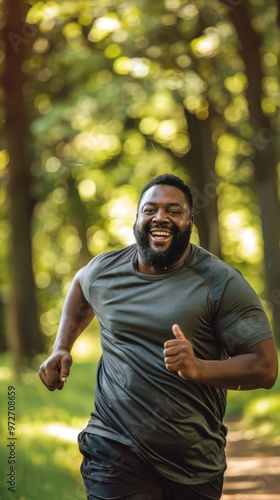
[[209, 266], [222, 280], [102, 264], [110, 259]]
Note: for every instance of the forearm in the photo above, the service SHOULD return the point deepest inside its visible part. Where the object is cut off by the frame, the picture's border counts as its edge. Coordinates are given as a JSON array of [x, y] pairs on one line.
[[250, 370], [68, 332], [256, 367], [76, 316], [239, 373]]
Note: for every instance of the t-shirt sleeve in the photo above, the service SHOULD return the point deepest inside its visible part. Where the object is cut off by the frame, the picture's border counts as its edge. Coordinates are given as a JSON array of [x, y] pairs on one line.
[[241, 320], [86, 278]]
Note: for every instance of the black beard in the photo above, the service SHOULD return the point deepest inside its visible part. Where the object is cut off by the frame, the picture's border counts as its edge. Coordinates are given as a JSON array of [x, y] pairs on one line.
[[162, 259]]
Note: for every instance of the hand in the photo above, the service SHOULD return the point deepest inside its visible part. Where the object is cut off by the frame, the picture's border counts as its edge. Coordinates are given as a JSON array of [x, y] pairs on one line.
[[179, 356], [55, 370]]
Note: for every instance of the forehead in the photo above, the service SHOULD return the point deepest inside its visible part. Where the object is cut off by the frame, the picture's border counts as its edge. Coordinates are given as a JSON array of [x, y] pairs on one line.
[[164, 194]]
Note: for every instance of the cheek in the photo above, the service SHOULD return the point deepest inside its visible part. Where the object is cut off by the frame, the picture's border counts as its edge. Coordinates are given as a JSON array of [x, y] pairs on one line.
[[186, 226], [142, 223], [140, 228]]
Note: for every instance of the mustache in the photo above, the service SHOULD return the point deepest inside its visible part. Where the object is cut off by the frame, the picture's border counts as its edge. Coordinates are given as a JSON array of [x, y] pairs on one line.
[[172, 229]]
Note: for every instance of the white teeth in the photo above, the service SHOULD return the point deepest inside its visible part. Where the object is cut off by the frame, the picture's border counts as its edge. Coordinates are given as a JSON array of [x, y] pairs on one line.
[[160, 233]]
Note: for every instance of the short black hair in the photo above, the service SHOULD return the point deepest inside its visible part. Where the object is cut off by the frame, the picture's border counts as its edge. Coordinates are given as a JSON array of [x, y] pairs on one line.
[[170, 180]]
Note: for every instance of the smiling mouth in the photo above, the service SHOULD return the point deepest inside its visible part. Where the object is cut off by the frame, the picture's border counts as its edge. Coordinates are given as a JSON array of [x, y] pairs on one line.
[[160, 234]]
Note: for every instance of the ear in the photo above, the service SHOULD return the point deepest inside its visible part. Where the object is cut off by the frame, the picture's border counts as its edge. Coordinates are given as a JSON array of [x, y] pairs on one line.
[[191, 221]]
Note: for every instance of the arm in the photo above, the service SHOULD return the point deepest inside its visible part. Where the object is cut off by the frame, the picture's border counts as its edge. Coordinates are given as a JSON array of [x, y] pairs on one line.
[[255, 368], [76, 316]]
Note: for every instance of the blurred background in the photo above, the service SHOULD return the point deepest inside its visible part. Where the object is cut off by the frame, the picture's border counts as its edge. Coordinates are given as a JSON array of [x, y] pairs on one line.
[[96, 98]]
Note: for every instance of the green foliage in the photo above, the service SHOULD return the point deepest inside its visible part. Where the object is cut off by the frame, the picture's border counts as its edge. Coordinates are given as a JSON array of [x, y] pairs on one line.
[[108, 90]]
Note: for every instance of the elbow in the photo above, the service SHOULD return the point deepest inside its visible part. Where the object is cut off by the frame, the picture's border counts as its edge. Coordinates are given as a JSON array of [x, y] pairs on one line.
[[264, 364], [270, 377], [269, 368]]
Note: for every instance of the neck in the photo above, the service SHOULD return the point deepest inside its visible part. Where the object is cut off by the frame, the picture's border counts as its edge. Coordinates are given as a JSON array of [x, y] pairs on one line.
[[145, 268]]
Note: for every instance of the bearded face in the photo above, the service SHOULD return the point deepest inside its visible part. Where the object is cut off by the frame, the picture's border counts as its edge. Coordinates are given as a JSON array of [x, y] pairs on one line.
[[158, 256], [163, 226]]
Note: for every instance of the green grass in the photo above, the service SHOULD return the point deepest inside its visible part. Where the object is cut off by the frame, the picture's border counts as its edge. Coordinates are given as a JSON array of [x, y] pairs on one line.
[[258, 411], [47, 423]]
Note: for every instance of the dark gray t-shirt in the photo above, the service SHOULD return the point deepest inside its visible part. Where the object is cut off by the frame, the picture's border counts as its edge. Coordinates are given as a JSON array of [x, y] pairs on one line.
[[175, 424]]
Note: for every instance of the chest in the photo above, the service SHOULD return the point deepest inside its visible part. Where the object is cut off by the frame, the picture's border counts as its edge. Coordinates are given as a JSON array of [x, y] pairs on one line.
[[131, 308]]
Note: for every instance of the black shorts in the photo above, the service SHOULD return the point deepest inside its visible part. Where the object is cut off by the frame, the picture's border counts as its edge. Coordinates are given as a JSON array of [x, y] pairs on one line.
[[112, 470]]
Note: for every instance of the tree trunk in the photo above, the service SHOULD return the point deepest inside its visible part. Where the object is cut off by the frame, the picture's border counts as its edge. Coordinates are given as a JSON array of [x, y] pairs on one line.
[[264, 158], [25, 337], [3, 340], [201, 167]]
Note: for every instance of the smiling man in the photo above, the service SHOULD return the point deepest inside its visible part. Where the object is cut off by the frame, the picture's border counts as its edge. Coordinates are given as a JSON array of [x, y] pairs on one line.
[[178, 328]]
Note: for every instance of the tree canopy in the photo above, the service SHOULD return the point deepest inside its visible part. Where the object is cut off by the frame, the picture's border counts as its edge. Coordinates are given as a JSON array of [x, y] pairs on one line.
[[97, 98]]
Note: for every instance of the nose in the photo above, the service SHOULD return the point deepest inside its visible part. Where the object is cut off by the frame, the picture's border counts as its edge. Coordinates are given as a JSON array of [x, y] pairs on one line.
[[160, 216]]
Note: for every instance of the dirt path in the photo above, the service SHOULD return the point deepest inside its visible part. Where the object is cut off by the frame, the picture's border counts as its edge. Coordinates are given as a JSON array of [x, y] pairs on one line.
[[253, 467]]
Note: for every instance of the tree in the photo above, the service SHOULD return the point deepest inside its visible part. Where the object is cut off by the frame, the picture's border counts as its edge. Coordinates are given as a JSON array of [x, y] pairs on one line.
[[113, 96], [26, 338], [264, 142]]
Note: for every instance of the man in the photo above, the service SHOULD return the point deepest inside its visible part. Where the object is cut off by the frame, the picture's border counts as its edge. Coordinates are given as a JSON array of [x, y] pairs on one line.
[[178, 328]]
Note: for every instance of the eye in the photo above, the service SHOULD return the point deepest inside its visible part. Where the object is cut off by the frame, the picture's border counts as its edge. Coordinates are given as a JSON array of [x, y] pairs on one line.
[[174, 211], [149, 211]]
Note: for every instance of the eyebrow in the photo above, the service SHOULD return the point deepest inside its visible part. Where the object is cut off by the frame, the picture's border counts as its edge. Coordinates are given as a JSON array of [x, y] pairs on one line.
[[173, 204]]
